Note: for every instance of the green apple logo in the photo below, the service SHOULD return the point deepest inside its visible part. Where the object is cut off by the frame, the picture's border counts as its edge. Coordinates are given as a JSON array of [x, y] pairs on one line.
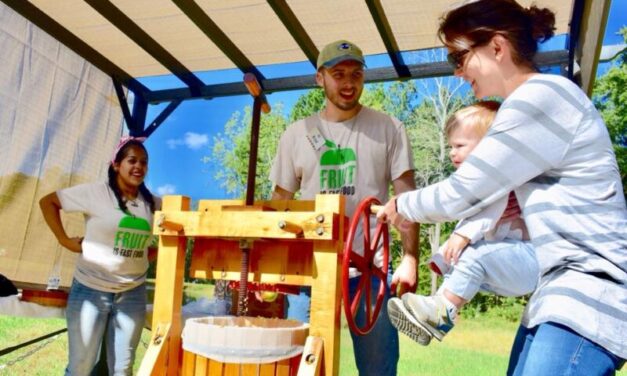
[[134, 223], [131, 238], [337, 170]]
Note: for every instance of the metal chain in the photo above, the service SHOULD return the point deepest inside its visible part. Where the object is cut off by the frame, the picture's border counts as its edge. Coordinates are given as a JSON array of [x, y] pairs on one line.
[[39, 347], [28, 353]]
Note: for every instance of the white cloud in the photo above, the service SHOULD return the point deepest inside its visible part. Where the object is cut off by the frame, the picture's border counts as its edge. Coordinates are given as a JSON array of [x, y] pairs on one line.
[[192, 140], [173, 143], [195, 141], [166, 189]]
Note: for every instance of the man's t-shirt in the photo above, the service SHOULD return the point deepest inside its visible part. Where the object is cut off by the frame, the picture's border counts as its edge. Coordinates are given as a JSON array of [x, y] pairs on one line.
[[115, 246], [359, 157]]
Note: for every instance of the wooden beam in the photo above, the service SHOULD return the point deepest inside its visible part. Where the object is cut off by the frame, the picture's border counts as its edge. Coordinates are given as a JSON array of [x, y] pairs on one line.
[[276, 205], [140, 109], [326, 288], [284, 262], [296, 29], [161, 117], [572, 39], [119, 91], [252, 152], [387, 35], [247, 224], [417, 71], [154, 361], [311, 361], [198, 16], [591, 35], [126, 25], [166, 358]]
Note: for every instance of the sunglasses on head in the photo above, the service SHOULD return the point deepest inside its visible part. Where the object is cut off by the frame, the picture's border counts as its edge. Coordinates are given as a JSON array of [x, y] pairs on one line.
[[456, 59]]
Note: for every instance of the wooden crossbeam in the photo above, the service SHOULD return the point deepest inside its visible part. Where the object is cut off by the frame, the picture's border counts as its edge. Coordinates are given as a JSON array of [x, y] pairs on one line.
[[384, 74], [296, 29], [126, 25], [198, 16], [315, 226], [385, 30]]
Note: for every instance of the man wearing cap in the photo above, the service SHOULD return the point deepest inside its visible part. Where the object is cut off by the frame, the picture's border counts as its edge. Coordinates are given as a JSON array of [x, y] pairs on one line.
[[357, 152]]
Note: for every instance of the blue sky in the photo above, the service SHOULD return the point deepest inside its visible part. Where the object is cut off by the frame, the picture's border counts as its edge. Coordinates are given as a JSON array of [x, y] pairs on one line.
[[178, 146]]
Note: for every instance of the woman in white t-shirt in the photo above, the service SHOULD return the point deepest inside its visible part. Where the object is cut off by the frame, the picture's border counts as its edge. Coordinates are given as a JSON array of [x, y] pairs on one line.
[[108, 291]]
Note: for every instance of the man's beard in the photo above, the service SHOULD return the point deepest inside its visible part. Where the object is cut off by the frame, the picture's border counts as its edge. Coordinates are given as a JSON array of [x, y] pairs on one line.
[[342, 105]]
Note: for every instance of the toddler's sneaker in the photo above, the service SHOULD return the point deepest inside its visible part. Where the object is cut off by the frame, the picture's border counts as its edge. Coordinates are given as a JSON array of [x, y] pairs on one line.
[[431, 312], [405, 323]]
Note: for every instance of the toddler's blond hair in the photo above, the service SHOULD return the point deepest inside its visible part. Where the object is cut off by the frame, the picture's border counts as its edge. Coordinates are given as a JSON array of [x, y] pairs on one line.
[[479, 115]]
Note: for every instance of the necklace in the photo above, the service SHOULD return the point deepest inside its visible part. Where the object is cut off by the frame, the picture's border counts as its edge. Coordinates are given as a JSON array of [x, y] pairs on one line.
[[350, 126], [132, 202]]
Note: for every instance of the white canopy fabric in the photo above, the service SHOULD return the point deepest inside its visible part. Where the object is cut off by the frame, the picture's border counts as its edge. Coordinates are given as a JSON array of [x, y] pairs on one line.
[[255, 29], [59, 121]]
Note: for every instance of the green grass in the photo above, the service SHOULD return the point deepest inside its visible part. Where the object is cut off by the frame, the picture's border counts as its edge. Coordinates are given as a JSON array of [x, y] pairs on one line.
[[193, 291], [50, 359], [477, 346]]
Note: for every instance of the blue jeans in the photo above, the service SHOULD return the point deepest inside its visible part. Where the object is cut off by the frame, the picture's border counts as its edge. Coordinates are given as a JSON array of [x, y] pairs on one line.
[[507, 268], [375, 353], [89, 313], [551, 349]]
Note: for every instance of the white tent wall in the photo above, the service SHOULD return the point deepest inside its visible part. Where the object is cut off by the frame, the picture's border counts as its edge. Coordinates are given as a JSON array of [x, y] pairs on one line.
[[59, 121]]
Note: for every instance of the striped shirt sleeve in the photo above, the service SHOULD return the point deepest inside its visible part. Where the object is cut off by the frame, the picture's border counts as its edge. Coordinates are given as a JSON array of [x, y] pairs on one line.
[[530, 135]]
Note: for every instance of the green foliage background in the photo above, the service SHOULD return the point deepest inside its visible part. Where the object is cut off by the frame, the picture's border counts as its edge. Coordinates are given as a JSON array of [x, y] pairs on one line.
[[610, 98]]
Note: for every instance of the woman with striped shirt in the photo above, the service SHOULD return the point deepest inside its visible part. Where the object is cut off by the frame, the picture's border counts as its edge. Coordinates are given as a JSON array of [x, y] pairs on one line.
[[550, 146]]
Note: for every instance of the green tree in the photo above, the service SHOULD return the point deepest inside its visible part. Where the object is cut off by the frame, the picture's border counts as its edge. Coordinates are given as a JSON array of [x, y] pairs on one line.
[[231, 150], [439, 99], [610, 98], [307, 104]]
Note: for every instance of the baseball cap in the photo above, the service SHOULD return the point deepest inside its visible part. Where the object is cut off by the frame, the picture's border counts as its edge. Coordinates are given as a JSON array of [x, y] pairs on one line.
[[337, 52]]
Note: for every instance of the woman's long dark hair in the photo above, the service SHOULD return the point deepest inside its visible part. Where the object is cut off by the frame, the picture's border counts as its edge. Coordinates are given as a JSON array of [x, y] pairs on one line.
[[113, 181], [477, 22]]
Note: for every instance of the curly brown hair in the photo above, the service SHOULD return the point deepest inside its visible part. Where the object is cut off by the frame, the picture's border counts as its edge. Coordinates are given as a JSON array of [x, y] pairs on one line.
[[474, 24]]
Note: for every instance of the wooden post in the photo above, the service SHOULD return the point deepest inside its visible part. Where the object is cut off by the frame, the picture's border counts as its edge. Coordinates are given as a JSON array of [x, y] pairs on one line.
[[594, 20], [310, 363], [326, 286], [165, 344]]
